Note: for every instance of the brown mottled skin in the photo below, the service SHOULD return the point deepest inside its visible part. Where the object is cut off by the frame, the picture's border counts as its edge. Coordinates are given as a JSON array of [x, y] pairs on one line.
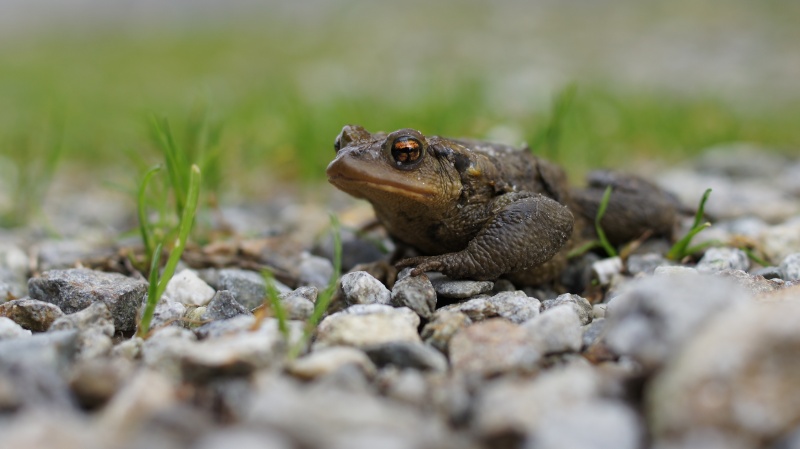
[[480, 211]]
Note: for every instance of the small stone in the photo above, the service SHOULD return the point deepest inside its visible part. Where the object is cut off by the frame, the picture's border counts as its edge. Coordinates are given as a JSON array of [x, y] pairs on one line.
[[771, 272], [458, 289], [580, 304], [718, 259], [755, 285], [674, 271], [592, 332], [223, 306], [166, 313], [75, 289], [492, 347], [31, 314], [511, 410], [360, 330], [556, 330], [445, 324], [599, 424], [96, 381], [95, 329], [327, 360], [408, 386], [417, 356], [737, 376], [361, 288], [13, 259], [314, 271], [10, 330], [790, 267], [646, 264], [297, 307], [604, 269], [654, 316], [780, 241], [515, 306], [233, 325], [248, 287], [188, 289], [308, 292], [129, 349], [416, 293], [599, 311]]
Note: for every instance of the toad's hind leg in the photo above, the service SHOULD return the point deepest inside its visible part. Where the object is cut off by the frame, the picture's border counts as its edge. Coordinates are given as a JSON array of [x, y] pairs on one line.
[[636, 206], [524, 230]]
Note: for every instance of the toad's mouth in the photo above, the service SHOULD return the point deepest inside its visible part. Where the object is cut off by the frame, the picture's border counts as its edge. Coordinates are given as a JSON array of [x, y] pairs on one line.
[[356, 177]]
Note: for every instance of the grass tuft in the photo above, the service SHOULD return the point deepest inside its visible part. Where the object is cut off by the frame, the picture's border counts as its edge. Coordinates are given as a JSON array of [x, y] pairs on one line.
[[681, 248]]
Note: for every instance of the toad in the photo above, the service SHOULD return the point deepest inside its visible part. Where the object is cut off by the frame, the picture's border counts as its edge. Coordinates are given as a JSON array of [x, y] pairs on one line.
[[477, 210]]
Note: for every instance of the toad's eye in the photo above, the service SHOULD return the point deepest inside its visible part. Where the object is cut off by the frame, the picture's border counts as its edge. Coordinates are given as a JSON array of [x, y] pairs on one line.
[[406, 150], [337, 144]]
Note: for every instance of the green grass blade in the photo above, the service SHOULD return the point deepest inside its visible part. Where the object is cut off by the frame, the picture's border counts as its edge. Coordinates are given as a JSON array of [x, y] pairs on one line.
[[184, 228], [144, 225], [275, 303], [601, 211], [175, 164], [680, 249], [152, 296]]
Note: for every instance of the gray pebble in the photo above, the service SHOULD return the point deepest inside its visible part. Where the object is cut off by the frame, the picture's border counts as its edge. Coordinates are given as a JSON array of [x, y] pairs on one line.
[[416, 293], [441, 329], [555, 331], [223, 306], [515, 306], [75, 289], [166, 313], [719, 259], [459, 289], [248, 287], [407, 355], [492, 347], [579, 304], [376, 324], [31, 314], [593, 331], [790, 267], [188, 289], [325, 361], [360, 287], [646, 263], [314, 271], [95, 329], [233, 325], [297, 307], [771, 272]]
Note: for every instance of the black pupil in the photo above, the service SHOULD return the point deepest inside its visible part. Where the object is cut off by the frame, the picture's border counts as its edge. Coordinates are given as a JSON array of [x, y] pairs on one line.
[[406, 150]]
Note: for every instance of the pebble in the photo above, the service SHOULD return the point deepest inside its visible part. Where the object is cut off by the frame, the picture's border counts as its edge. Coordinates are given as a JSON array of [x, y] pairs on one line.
[[737, 377], [314, 271], [223, 305], [719, 259], [645, 264], [511, 410], [778, 242], [31, 314], [592, 332], [515, 306], [75, 289], [297, 307], [95, 381], [408, 386], [416, 356], [233, 325], [359, 287], [790, 267], [458, 289], [166, 313], [10, 330], [382, 325], [95, 328], [492, 347], [441, 329], [751, 283], [248, 287], [416, 293], [580, 304], [188, 289], [597, 424], [605, 269], [654, 316], [556, 330], [324, 361]]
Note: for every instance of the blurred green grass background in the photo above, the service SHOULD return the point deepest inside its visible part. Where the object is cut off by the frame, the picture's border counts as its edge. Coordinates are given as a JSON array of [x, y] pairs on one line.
[[655, 80]]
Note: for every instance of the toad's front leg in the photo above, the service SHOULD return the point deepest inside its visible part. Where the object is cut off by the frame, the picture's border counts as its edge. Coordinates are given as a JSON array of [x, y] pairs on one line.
[[525, 230]]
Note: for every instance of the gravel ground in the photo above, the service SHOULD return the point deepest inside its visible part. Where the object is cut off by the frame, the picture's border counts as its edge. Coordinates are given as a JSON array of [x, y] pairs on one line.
[[654, 353]]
